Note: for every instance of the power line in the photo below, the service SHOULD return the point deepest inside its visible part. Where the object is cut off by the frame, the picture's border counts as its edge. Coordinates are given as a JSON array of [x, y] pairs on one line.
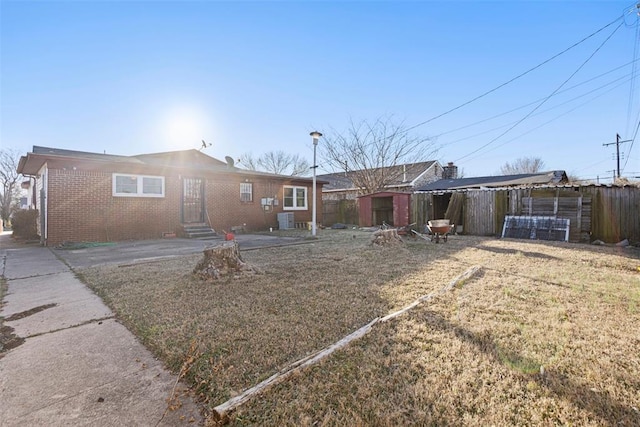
[[537, 114], [636, 52], [519, 75], [406, 130], [545, 123], [634, 70], [633, 139], [548, 97], [540, 99]]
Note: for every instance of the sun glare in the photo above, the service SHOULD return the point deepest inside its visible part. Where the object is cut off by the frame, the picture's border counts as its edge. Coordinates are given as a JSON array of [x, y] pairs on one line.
[[184, 128]]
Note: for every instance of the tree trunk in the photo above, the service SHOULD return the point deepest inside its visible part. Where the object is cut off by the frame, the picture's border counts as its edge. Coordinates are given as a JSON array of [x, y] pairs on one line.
[[386, 238], [221, 260]]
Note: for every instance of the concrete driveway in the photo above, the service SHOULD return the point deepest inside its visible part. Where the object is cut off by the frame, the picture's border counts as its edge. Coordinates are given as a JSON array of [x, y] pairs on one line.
[[148, 250]]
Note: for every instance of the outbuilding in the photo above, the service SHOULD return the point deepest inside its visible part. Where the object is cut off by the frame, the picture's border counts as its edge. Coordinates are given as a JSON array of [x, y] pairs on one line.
[[390, 207]]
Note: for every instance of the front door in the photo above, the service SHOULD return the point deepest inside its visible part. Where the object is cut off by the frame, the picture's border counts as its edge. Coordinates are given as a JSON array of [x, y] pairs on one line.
[[192, 200]]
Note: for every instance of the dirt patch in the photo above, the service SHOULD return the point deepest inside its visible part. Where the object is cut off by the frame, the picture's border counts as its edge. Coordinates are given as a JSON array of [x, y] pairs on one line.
[[545, 334], [8, 340], [30, 312]]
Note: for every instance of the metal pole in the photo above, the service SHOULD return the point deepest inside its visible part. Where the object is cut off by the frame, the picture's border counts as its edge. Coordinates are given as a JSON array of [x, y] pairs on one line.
[[617, 143], [313, 213], [618, 153], [315, 135]]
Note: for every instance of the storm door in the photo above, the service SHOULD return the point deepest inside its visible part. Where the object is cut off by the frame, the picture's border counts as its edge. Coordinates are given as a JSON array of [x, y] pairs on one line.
[[192, 200]]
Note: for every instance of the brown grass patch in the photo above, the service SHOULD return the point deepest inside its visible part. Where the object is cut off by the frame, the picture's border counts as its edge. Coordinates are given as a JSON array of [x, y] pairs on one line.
[[471, 356]]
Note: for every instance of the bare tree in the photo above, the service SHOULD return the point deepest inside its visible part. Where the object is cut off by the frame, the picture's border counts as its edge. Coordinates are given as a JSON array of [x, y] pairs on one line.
[[369, 152], [9, 182], [276, 162], [299, 166], [248, 161], [523, 165]]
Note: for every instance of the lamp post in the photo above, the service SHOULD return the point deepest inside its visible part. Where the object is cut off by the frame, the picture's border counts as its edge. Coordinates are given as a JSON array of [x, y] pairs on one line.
[[315, 135]]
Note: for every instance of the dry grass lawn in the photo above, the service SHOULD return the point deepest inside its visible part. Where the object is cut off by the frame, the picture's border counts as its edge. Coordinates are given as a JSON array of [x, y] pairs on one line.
[[545, 334]]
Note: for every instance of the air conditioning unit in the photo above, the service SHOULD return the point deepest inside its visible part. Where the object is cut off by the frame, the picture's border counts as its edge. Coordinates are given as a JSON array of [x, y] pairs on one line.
[[286, 221]]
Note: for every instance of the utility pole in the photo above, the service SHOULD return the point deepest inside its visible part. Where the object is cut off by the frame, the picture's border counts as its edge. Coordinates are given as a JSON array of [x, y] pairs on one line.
[[618, 142]]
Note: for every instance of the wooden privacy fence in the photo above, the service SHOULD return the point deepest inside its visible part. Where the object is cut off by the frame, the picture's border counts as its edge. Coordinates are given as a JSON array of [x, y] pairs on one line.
[[576, 209], [606, 213], [615, 213], [339, 211]]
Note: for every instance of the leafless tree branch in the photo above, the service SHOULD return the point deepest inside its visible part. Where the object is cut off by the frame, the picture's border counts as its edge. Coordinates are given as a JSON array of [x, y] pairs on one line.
[[370, 150], [276, 162], [9, 182]]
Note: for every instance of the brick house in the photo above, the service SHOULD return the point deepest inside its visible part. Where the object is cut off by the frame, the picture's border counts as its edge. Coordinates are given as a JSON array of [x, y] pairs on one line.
[[101, 197]]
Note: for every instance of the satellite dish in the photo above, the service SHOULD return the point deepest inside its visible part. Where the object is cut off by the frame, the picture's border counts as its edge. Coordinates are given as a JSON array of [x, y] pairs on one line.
[[229, 160]]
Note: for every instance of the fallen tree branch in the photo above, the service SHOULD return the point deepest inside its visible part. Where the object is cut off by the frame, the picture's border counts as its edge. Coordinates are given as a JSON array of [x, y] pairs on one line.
[[460, 279], [221, 412]]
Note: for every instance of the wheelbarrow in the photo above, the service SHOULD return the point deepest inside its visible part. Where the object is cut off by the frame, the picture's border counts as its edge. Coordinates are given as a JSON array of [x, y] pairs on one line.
[[439, 228]]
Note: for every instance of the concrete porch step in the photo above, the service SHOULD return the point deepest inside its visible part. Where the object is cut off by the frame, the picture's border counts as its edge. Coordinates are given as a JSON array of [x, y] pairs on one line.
[[199, 231]]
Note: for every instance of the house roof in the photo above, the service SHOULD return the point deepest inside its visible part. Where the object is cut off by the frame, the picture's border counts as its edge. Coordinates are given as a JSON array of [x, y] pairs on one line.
[[34, 160], [185, 159], [191, 158], [402, 175], [551, 177]]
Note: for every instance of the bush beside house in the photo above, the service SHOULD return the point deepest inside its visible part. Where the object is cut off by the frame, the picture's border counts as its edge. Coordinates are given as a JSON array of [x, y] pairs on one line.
[[24, 224]]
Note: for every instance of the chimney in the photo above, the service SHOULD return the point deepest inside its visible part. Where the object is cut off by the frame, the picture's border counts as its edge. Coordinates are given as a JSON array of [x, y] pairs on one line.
[[450, 171]]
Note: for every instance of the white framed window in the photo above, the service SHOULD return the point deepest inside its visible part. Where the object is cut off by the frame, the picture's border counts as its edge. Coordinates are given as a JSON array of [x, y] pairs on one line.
[[246, 192], [137, 185], [295, 198]]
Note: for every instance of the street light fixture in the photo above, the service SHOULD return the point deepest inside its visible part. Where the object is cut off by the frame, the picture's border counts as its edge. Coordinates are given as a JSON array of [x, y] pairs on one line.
[[315, 135]]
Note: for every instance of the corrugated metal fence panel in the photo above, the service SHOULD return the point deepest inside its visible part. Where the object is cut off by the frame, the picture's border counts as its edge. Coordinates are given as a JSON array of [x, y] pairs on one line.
[[479, 211]]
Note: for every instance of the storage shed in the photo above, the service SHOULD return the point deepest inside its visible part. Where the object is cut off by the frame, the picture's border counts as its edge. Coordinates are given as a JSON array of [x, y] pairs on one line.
[[390, 207]]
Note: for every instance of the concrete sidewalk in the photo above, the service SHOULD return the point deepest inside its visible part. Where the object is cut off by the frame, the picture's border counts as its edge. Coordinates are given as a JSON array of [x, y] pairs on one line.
[[77, 366]]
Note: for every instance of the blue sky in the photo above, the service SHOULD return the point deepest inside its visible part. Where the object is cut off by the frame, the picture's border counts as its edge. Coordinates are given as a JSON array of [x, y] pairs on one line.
[[138, 77]]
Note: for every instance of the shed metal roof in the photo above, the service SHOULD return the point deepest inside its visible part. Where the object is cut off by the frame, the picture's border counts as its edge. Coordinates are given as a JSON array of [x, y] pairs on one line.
[[551, 177]]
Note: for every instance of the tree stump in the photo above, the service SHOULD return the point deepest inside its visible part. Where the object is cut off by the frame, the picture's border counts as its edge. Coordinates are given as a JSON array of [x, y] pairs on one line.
[[388, 237], [221, 260]]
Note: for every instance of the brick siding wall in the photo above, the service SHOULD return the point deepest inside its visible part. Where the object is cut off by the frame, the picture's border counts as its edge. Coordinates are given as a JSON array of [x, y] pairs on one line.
[[226, 210], [81, 207]]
